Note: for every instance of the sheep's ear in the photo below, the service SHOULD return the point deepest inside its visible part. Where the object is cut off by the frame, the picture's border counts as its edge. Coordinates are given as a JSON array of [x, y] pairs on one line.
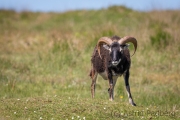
[[107, 47]]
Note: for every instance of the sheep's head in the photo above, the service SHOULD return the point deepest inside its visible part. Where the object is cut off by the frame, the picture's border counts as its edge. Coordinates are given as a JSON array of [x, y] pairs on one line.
[[115, 46]]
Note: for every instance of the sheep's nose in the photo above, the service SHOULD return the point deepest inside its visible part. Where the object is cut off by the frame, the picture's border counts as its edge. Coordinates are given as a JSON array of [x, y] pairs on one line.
[[114, 59]]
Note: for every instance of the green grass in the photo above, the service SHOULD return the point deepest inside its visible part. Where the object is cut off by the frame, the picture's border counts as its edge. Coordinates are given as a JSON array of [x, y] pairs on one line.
[[45, 63], [60, 107]]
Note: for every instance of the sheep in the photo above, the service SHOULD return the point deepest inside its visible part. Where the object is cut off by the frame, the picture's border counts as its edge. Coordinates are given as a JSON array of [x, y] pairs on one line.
[[111, 59]]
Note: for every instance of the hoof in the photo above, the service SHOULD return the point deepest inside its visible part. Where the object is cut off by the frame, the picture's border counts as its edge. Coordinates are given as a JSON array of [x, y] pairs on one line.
[[133, 104]]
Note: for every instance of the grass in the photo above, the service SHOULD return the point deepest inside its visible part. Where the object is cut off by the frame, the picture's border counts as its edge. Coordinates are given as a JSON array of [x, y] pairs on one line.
[[45, 62], [56, 107]]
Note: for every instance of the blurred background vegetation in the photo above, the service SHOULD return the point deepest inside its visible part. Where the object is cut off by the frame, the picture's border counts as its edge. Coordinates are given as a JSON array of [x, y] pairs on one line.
[[48, 54]]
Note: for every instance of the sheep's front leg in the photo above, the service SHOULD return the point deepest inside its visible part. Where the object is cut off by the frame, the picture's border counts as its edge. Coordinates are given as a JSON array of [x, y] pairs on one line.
[[126, 79], [111, 90], [112, 83]]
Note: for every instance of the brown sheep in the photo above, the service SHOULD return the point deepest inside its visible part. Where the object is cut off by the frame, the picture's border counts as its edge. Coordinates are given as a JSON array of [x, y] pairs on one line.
[[111, 59]]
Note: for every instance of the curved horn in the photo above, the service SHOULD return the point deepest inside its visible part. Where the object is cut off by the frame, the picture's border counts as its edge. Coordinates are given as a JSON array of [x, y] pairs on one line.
[[101, 41], [127, 39]]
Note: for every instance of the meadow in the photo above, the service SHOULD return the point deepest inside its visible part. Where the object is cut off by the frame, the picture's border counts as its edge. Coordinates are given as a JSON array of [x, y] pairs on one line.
[[45, 64]]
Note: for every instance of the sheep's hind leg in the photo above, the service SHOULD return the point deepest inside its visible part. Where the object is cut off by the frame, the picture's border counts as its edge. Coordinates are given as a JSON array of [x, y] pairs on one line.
[[93, 75]]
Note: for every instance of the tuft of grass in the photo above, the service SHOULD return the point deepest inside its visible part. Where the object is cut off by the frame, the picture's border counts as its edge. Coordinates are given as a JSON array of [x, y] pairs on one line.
[[161, 39]]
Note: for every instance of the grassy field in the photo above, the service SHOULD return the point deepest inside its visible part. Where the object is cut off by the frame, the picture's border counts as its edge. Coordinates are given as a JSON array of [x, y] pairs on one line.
[[45, 64]]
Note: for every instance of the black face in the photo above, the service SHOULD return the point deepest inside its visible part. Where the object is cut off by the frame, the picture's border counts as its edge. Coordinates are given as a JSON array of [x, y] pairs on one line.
[[115, 54]]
